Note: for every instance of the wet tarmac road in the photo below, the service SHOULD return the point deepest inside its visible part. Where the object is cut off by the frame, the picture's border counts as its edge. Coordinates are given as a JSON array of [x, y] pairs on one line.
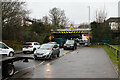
[[84, 62]]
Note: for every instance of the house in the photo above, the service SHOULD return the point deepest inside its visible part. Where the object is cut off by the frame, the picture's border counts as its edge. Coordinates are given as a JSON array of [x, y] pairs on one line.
[[114, 23]]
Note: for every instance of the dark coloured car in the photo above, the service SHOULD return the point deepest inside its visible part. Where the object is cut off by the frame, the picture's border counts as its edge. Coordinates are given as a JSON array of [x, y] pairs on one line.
[[70, 44], [47, 51], [60, 41]]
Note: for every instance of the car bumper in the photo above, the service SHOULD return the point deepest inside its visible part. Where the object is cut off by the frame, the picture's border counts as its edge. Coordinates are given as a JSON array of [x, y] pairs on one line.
[[27, 49], [41, 56], [70, 47]]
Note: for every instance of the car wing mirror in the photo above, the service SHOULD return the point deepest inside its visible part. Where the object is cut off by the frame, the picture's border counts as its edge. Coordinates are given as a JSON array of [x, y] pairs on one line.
[[38, 47]]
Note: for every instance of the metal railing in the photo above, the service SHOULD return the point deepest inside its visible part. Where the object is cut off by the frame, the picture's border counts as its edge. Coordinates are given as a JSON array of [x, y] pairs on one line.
[[114, 51]]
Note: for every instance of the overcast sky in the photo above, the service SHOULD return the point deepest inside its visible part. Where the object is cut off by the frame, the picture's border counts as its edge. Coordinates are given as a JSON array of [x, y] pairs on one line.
[[76, 10]]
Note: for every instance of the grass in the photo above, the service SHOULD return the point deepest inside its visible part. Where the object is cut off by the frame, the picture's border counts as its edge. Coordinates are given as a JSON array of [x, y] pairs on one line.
[[111, 55], [113, 58], [116, 46]]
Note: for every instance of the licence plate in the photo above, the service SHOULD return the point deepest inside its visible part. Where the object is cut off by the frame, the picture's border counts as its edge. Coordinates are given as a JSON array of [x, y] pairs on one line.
[[39, 56], [68, 46]]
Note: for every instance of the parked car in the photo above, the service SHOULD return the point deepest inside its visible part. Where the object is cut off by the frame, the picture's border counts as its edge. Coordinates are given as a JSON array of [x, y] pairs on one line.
[[4, 49], [52, 42], [47, 51], [60, 41], [30, 47], [70, 44]]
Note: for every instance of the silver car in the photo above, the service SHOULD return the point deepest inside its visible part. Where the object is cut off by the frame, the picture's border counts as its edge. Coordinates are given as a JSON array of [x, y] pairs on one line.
[[47, 51]]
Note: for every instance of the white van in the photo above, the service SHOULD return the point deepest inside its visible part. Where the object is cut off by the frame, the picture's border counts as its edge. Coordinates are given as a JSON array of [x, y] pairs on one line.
[[4, 49]]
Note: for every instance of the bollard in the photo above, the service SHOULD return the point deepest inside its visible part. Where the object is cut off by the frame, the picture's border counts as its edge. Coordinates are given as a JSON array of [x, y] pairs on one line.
[[117, 55]]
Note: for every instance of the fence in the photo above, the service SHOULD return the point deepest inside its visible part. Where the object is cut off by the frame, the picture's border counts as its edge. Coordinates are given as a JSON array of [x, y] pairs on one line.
[[117, 53], [114, 51]]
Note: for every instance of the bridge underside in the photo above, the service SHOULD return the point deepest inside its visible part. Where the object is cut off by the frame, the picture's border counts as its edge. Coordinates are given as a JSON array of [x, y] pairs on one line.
[[68, 35]]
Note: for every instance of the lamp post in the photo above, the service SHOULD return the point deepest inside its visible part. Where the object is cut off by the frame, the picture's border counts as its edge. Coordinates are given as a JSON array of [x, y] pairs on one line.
[[89, 15], [89, 26]]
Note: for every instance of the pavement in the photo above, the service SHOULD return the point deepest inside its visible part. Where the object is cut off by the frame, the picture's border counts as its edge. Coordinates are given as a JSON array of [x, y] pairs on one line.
[[17, 52], [85, 62]]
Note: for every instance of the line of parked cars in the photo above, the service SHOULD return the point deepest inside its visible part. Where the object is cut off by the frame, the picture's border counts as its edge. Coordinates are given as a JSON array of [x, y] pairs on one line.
[[44, 51]]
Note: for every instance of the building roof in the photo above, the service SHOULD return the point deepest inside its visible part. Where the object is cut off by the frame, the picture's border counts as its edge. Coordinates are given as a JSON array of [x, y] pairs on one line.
[[114, 19]]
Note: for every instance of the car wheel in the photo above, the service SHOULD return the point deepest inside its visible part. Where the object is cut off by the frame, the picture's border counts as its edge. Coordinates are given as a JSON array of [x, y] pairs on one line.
[[24, 52], [64, 48], [51, 57], [58, 55], [11, 54], [74, 48], [33, 51], [35, 57], [8, 70]]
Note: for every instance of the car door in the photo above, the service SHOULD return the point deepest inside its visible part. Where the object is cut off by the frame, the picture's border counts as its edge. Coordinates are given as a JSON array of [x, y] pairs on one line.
[[5, 49], [56, 49], [37, 45]]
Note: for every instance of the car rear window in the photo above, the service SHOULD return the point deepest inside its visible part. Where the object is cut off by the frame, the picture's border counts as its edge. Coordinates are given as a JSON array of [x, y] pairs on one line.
[[28, 44]]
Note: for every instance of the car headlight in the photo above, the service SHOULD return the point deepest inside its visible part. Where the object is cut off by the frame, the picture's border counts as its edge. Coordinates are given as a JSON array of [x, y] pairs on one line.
[[47, 53], [71, 45], [64, 44]]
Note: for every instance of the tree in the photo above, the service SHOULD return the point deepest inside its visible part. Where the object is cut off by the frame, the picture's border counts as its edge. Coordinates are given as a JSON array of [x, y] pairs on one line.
[[83, 25], [100, 31], [58, 18], [46, 20], [13, 14], [101, 16]]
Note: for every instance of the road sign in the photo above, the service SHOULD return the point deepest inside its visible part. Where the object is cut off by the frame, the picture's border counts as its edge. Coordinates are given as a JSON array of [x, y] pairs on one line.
[[71, 26]]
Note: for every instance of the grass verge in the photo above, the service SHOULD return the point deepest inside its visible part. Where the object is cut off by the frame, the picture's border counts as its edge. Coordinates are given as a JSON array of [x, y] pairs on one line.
[[116, 46], [113, 59], [111, 55]]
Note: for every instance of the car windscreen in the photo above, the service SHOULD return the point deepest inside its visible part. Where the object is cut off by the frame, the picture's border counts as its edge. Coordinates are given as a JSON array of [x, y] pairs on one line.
[[46, 46], [70, 41]]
